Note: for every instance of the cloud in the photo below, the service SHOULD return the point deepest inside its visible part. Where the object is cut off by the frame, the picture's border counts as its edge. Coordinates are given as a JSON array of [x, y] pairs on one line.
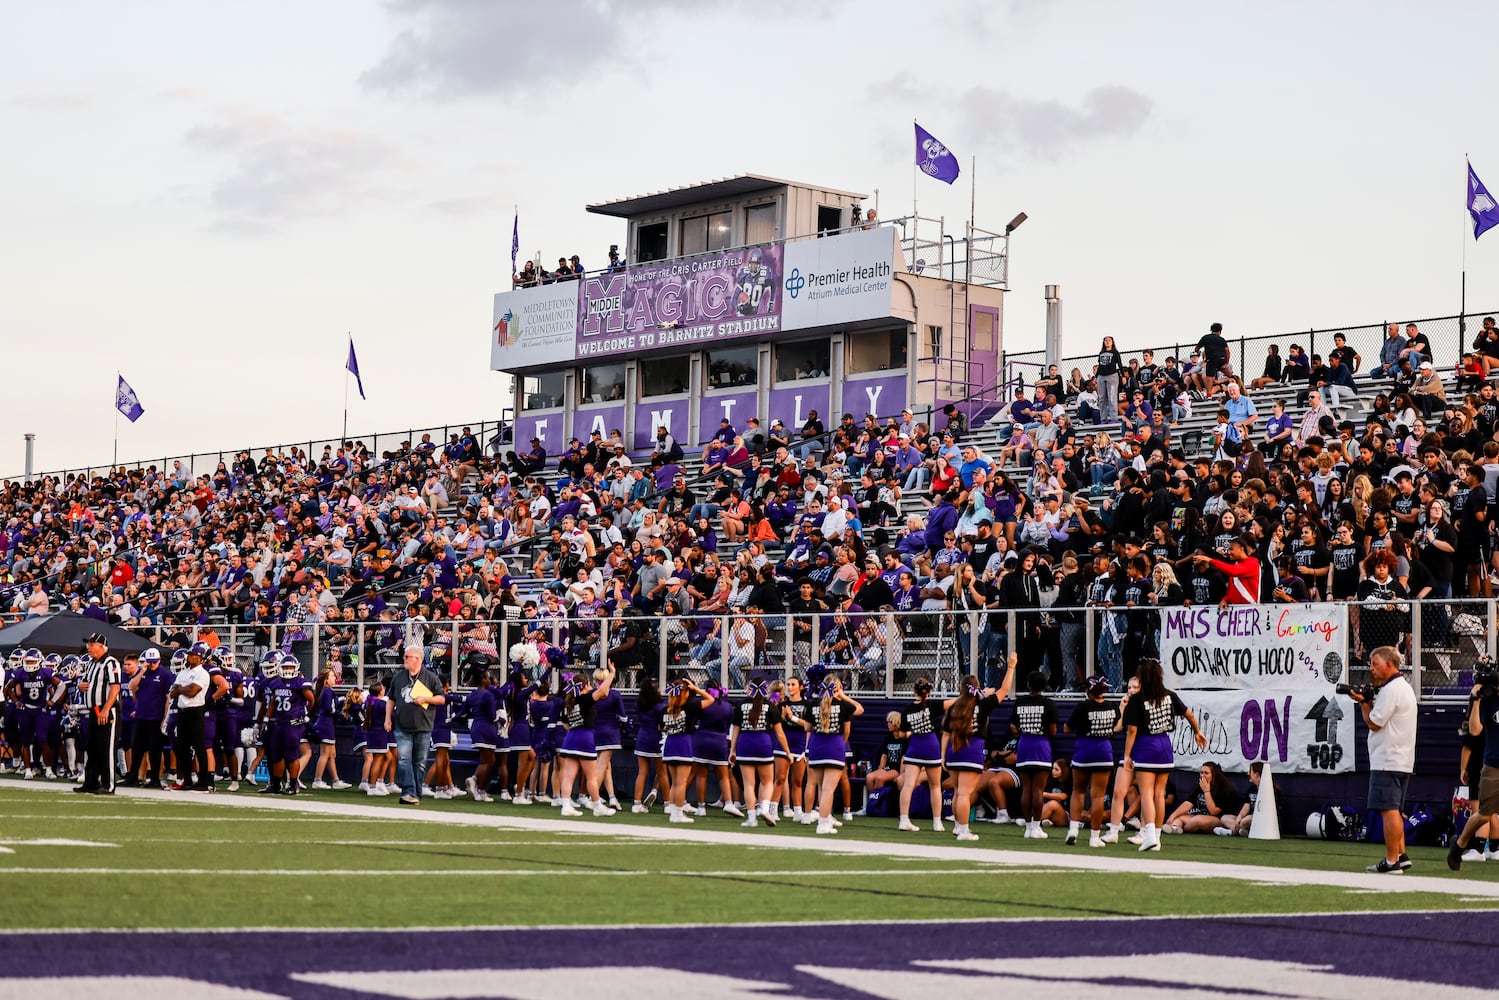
[[52, 100], [1014, 127], [280, 172], [463, 48], [1046, 129]]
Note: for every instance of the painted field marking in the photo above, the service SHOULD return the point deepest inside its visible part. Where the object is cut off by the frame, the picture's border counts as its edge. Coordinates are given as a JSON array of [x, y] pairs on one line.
[[832, 845], [1233, 919], [571, 872]]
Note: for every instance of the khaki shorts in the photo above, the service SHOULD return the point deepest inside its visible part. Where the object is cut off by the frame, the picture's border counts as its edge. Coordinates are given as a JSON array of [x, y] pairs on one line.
[[1488, 791]]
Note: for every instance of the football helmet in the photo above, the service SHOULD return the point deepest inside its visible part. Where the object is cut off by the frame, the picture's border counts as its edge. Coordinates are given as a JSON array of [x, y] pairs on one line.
[[32, 661], [270, 663], [52, 661], [71, 667], [291, 667], [179, 659]]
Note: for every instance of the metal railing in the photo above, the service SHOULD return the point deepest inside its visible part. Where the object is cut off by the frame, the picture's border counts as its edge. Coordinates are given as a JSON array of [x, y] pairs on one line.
[[491, 435], [1450, 337], [877, 653]]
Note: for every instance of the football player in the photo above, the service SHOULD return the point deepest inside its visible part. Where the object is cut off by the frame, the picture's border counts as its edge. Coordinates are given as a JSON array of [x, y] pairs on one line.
[[34, 690], [754, 286]]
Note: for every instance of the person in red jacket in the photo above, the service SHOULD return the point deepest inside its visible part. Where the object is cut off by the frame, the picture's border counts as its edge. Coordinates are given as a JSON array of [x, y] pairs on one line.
[[1243, 572]]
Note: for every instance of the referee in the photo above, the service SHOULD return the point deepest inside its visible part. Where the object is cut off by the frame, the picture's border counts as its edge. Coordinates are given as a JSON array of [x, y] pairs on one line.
[[101, 696]]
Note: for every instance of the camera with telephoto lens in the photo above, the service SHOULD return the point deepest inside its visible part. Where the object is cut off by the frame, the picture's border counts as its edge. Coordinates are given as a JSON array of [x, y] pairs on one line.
[[1361, 692], [1486, 677]]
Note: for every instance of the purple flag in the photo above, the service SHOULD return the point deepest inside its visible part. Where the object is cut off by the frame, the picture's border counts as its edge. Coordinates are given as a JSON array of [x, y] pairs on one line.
[[1480, 205], [935, 159], [352, 366], [126, 400], [515, 242]]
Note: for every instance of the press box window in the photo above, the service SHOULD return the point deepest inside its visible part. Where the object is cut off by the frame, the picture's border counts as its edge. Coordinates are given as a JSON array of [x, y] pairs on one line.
[[665, 376], [705, 233], [876, 351], [760, 224], [808, 359], [603, 383], [650, 242], [541, 392], [733, 366]]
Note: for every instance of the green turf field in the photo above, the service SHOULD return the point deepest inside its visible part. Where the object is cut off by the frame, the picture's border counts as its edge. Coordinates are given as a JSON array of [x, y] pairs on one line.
[[199, 862]]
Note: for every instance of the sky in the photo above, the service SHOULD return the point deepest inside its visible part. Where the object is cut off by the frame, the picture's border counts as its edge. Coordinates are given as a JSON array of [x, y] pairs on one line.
[[211, 198]]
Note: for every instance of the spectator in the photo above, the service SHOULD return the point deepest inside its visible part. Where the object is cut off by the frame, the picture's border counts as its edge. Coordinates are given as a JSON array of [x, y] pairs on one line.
[[1390, 351]]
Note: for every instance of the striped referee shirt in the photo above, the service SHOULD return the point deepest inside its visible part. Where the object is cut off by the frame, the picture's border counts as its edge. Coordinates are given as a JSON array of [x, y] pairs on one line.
[[98, 677]]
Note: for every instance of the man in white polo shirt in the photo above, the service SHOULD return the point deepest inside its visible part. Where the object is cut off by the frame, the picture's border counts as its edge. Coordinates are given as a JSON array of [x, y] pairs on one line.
[[190, 688]]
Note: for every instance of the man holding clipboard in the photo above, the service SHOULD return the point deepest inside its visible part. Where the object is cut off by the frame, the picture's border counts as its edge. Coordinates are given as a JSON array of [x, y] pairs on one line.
[[412, 695]]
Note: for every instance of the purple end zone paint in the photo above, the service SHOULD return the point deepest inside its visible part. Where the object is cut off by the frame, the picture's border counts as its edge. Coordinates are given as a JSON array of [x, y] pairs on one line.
[[1449, 948]]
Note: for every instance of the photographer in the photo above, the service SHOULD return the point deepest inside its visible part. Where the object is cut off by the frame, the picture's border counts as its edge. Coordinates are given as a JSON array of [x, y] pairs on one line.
[[1389, 709], [1482, 712]]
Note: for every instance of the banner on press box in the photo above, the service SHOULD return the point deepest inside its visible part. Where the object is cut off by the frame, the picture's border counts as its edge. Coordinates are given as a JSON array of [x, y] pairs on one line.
[[839, 279], [1302, 732], [680, 303], [533, 326], [1292, 647]]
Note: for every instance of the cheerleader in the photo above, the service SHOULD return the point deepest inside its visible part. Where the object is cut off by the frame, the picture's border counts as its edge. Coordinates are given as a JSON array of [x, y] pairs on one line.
[[1149, 722], [649, 707], [791, 763], [324, 708], [516, 695], [1124, 778], [754, 737], [1000, 784], [376, 742], [710, 749], [963, 747], [607, 735], [826, 748], [484, 733], [1036, 723], [685, 703], [541, 710], [580, 700], [440, 774], [921, 721], [1093, 721], [353, 710]]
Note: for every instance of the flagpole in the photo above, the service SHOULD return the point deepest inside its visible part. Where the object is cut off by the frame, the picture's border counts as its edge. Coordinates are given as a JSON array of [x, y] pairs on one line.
[[345, 436], [116, 460], [1462, 311]]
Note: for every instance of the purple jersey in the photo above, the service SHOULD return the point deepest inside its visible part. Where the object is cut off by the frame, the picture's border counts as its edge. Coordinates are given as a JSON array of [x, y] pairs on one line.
[[288, 703], [34, 688]]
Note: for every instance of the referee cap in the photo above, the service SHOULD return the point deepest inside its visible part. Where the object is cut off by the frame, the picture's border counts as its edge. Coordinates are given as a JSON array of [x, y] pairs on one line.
[[94, 637]]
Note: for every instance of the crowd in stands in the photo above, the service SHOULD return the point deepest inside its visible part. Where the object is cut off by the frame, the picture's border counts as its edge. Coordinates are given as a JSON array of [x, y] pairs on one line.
[[1076, 497]]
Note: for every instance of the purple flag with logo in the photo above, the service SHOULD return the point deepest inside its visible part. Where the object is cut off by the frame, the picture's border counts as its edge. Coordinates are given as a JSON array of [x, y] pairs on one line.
[[935, 159], [1481, 205], [126, 400], [352, 366]]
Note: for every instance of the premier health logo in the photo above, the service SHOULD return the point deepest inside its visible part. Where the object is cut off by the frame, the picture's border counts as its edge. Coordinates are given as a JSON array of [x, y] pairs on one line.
[[795, 282], [850, 281]]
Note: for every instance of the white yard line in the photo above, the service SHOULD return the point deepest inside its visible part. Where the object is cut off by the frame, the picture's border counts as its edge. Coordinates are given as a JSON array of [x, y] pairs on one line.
[[1098, 861], [503, 872]]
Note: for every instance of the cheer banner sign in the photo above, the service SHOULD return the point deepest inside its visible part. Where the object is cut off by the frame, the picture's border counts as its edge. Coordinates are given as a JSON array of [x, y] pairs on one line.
[[1293, 647], [1262, 682]]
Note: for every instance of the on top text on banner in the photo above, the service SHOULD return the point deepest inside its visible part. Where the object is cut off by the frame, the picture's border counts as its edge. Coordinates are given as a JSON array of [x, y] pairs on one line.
[[679, 303], [1291, 647]]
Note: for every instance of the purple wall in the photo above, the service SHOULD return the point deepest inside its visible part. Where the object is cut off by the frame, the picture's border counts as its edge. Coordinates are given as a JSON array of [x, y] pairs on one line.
[[600, 418], [546, 425], [884, 396], [737, 406], [670, 412], [792, 403]]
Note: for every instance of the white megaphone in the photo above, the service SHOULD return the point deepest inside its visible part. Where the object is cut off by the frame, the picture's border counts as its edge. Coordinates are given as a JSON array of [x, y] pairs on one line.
[[1264, 821]]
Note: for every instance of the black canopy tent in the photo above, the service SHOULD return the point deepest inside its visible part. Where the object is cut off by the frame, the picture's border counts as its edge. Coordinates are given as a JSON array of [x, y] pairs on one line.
[[64, 632]]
